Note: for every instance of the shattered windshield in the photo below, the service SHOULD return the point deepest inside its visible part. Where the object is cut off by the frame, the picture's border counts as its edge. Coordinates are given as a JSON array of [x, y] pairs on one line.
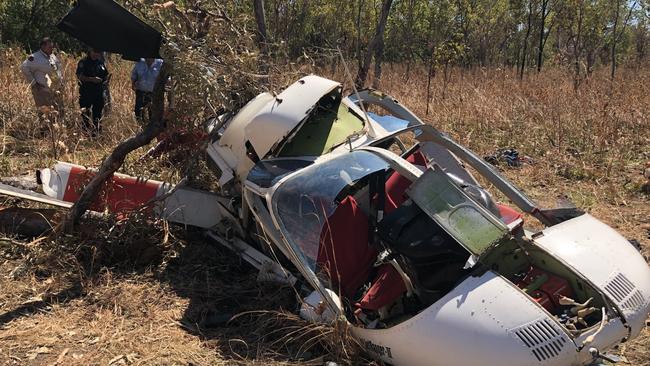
[[303, 202]]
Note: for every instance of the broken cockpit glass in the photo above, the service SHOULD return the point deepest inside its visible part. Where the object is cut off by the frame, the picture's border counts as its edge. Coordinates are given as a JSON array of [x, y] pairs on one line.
[[304, 202]]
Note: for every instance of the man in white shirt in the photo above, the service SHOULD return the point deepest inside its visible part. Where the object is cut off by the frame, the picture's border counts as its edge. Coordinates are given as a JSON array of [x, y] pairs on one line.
[[42, 70], [143, 78]]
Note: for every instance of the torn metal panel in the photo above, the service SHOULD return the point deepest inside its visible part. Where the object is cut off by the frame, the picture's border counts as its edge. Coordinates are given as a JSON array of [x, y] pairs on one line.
[[276, 120], [230, 147], [225, 172], [192, 207]]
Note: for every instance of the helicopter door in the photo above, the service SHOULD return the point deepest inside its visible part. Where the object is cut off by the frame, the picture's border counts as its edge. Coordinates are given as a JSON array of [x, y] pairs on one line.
[[469, 223]]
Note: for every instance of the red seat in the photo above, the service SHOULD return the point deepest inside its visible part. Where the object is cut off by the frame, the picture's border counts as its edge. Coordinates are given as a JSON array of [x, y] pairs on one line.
[[385, 289], [344, 250], [348, 258], [396, 184], [508, 214]]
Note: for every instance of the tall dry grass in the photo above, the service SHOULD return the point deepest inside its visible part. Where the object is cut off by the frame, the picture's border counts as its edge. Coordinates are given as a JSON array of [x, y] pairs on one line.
[[589, 134], [592, 133], [23, 149], [589, 145]]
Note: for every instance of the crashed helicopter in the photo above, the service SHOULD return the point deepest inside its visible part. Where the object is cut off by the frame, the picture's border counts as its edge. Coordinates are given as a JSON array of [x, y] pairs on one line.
[[384, 218]]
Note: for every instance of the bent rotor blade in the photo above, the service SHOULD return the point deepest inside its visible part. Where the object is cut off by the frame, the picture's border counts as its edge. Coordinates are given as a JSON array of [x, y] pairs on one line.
[[107, 26], [8, 190]]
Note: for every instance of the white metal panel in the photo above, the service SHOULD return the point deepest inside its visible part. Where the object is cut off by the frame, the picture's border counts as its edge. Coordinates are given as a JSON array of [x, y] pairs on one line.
[[607, 259], [55, 179], [218, 157], [279, 117], [234, 136], [32, 196], [192, 207], [475, 324]]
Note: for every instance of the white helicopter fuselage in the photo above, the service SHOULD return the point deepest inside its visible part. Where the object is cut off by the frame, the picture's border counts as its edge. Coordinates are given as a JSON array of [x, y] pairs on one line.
[[486, 318]]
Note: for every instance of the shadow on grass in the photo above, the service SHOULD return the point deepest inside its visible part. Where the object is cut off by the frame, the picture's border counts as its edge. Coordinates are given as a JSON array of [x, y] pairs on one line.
[[229, 310], [32, 307]]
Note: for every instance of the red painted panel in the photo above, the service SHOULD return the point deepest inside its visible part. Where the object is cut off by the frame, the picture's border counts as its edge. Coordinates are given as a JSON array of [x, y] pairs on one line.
[[120, 194]]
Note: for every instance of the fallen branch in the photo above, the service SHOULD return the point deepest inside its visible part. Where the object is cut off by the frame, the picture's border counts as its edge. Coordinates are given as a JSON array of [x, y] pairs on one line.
[[115, 160]]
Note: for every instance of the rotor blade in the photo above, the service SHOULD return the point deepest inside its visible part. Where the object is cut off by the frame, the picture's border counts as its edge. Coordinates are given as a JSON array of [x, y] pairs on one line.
[[8, 190], [107, 26]]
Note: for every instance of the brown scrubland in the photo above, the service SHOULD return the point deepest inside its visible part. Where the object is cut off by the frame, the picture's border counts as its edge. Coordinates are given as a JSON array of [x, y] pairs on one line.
[[147, 293]]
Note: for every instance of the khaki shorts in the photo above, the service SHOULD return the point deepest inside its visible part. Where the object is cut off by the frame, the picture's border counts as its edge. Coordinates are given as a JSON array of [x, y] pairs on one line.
[[44, 96]]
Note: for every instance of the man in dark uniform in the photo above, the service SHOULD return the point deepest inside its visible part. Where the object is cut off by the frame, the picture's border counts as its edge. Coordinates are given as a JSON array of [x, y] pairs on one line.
[[93, 76]]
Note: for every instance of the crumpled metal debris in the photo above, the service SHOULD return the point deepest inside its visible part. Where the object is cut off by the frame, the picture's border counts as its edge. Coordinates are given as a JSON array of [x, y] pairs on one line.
[[636, 244], [510, 157]]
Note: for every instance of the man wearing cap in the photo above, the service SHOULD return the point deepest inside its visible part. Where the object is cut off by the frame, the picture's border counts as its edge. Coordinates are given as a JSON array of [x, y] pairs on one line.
[[42, 70]]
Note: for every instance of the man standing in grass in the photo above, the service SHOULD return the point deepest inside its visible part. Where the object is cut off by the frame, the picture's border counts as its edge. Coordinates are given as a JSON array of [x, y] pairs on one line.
[[93, 76], [143, 79], [42, 70]]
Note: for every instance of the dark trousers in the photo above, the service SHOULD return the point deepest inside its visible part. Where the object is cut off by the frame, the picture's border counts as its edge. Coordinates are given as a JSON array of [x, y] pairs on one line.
[[91, 103], [142, 104]]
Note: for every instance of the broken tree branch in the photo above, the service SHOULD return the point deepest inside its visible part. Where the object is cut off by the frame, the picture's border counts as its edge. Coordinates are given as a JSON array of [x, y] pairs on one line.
[[115, 160]]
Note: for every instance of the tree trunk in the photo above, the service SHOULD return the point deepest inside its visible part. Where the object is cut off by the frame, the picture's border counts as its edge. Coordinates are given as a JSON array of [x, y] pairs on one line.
[[360, 64], [262, 36], [542, 41], [260, 19], [376, 40], [614, 37], [430, 75], [577, 47], [409, 38], [115, 160], [525, 45], [379, 58]]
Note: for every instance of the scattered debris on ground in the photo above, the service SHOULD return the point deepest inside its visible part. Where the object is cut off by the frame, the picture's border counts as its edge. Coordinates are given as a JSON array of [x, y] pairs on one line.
[[510, 157]]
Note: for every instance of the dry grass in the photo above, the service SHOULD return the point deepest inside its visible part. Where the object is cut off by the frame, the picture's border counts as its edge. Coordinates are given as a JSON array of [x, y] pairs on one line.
[[134, 295]]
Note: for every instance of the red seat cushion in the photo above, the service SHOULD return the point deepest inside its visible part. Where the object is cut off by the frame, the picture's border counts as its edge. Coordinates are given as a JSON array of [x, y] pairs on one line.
[[396, 184], [508, 214], [344, 250], [385, 289]]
